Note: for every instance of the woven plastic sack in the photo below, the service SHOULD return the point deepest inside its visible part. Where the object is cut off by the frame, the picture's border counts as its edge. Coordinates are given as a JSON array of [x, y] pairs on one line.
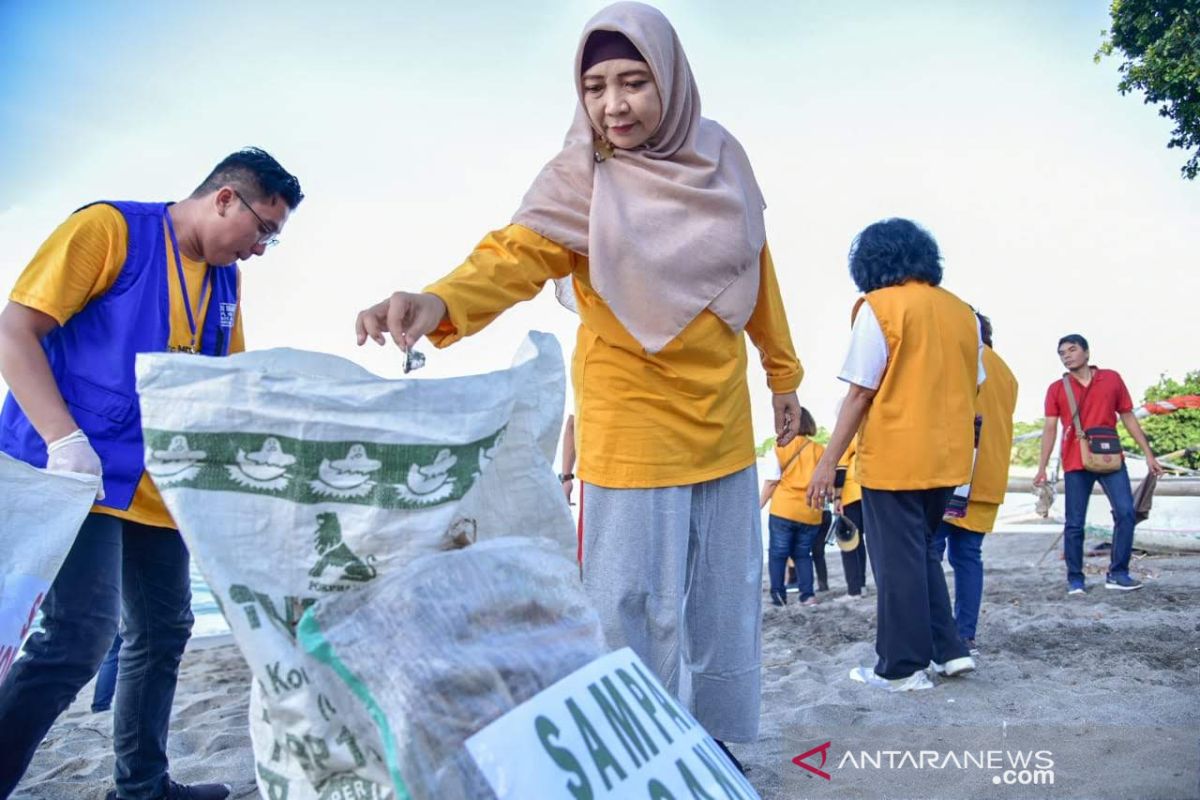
[[40, 515], [449, 643], [296, 478]]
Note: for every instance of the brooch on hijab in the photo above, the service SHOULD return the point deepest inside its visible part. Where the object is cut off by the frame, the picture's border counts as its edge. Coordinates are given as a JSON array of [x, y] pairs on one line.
[[604, 149]]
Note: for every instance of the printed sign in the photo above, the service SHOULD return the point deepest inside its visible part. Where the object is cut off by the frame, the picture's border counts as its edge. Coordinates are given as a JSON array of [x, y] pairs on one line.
[[609, 729]]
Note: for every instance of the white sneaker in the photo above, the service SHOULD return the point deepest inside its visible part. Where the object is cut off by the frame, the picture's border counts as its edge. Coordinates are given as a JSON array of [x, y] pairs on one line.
[[913, 683], [955, 666]]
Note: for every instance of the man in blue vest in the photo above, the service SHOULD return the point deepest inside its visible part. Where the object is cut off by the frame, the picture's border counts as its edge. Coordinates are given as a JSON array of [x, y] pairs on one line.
[[114, 280]]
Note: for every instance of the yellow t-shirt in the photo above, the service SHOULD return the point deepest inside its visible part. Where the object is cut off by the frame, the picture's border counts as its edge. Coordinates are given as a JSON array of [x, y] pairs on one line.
[[851, 489], [672, 418], [79, 262], [790, 499], [980, 517]]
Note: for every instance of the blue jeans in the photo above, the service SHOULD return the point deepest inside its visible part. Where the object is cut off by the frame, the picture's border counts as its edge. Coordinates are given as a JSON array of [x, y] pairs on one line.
[[966, 556], [1120, 497], [115, 569], [106, 678], [792, 540]]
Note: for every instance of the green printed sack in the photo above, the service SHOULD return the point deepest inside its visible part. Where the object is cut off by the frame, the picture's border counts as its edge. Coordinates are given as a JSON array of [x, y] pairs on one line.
[[296, 478]]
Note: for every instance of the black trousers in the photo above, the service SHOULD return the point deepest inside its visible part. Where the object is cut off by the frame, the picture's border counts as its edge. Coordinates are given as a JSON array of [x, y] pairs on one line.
[[854, 562], [818, 554], [916, 621]]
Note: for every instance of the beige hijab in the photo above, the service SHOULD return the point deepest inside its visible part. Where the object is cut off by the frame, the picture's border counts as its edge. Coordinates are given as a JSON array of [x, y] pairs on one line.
[[669, 229]]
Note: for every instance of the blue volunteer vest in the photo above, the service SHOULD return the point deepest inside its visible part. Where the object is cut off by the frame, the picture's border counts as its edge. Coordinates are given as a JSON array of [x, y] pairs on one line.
[[92, 356]]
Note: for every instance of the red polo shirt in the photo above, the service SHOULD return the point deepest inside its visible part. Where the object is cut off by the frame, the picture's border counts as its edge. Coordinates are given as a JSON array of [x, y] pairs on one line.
[[1099, 404]]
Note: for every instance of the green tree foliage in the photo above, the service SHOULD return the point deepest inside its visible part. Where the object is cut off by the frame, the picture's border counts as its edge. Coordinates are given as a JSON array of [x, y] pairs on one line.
[[1171, 432], [1027, 453], [1160, 40]]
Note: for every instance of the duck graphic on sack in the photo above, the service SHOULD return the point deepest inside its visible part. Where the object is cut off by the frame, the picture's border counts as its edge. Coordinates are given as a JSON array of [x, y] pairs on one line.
[[346, 477], [266, 468], [176, 464]]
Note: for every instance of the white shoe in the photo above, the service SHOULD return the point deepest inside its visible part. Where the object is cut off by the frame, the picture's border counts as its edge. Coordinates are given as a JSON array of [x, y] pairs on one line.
[[913, 683], [955, 666]]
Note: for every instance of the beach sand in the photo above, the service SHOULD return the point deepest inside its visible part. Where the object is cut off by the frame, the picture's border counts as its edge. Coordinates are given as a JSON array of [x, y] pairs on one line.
[[1108, 684]]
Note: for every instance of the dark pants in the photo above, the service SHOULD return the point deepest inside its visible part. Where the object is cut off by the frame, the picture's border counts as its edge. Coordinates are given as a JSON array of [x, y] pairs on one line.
[[794, 540], [106, 678], [818, 553], [115, 569], [854, 562], [915, 623], [966, 556], [1120, 497]]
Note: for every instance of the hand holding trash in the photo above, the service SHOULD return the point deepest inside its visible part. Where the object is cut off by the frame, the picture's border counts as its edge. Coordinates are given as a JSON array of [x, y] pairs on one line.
[[406, 316], [74, 453], [787, 417]]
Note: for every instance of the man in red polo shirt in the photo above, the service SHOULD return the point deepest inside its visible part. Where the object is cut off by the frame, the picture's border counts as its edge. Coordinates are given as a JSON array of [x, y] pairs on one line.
[[1101, 397]]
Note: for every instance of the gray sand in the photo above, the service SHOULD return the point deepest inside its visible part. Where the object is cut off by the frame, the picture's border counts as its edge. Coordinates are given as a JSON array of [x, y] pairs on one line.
[[1106, 683]]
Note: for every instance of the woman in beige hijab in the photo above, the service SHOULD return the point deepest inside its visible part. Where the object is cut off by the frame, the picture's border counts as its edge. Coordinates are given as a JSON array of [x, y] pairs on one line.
[[651, 221]]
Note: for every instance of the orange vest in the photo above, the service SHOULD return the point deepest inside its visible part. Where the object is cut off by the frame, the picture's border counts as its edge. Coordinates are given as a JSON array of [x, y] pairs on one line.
[[996, 402], [919, 431], [851, 491]]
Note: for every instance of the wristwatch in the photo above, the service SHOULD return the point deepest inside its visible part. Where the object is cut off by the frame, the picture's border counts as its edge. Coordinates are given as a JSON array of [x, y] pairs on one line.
[[563, 478]]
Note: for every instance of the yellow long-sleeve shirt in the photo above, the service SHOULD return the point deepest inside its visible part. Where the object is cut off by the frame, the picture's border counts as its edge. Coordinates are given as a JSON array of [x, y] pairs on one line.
[[672, 418]]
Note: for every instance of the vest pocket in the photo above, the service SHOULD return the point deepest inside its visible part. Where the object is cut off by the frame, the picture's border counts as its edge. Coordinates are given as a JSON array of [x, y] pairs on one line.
[[84, 395]]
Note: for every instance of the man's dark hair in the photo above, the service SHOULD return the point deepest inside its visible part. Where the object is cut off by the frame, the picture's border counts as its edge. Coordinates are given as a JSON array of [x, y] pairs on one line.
[[256, 175], [891, 252], [985, 329], [1074, 338], [808, 425]]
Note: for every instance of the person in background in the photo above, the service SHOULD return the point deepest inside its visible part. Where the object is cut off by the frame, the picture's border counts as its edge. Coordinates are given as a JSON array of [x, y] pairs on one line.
[[817, 555], [848, 501], [114, 280], [106, 678], [963, 535], [914, 445], [567, 476], [652, 218], [792, 525], [1100, 397]]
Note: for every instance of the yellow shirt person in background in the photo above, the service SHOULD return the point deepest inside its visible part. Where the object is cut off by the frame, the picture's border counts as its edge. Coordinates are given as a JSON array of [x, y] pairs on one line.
[[793, 525], [995, 403], [651, 220], [848, 501], [913, 368]]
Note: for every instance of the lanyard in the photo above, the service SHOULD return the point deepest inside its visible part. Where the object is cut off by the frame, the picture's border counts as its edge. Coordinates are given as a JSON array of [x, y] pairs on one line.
[[187, 301]]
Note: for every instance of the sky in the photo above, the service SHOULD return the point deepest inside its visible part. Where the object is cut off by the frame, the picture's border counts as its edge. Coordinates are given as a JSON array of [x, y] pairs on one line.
[[415, 129]]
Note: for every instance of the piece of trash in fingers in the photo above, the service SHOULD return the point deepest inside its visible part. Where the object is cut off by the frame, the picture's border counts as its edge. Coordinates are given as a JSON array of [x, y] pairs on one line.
[[413, 359]]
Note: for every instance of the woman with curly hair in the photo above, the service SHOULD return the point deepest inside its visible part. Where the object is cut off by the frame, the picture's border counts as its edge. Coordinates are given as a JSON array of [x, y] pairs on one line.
[[913, 368]]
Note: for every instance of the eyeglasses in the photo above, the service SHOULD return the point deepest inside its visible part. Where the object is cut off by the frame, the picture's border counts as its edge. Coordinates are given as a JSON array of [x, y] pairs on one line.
[[267, 234]]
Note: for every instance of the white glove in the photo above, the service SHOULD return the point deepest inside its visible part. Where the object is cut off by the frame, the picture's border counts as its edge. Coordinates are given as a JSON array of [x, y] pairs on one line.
[[74, 453]]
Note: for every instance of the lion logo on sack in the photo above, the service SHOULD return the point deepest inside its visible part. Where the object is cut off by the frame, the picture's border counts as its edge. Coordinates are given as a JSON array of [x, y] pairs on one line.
[[176, 464], [266, 468], [335, 553], [346, 477]]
